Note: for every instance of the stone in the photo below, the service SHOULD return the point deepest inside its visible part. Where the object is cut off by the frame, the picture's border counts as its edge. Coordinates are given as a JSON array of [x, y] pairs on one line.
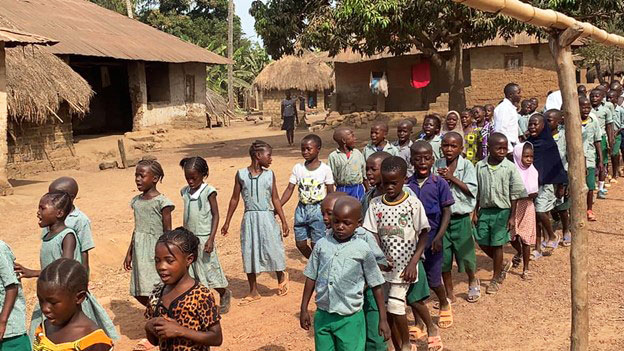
[[108, 165], [149, 158]]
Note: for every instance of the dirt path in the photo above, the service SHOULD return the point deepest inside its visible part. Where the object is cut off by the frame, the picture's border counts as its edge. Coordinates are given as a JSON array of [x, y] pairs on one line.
[[523, 316]]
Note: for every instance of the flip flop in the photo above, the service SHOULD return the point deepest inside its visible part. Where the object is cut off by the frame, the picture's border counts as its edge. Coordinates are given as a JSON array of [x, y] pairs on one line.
[[536, 255], [248, 300], [282, 288], [416, 333], [503, 274], [474, 292], [526, 275], [567, 239], [144, 345], [434, 343], [224, 304], [445, 318]]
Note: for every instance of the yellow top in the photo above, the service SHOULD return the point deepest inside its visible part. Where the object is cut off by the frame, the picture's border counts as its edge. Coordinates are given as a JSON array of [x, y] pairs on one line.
[[42, 343]]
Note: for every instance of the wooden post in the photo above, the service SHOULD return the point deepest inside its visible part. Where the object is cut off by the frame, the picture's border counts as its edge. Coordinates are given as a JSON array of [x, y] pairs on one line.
[[122, 153], [5, 186], [230, 52], [566, 71]]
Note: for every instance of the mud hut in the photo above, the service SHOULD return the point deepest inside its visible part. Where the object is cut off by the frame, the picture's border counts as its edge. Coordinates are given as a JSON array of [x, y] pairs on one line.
[[217, 111], [304, 77]]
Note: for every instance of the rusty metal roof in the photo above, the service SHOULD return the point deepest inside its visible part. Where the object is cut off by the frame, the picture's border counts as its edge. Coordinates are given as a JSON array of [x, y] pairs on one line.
[[13, 37], [84, 28]]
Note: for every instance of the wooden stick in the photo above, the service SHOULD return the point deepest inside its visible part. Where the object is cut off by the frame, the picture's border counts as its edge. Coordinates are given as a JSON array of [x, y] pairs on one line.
[[566, 72], [122, 152]]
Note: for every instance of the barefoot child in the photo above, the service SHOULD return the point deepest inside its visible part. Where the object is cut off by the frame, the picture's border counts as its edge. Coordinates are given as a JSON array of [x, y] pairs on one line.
[[201, 217], [605, 118], [59, 242], [152, 217], [399, 221], [340, 266], [378, 142], [524, 231], [261, 242], [458, 239], [314, 180], [435, 195], [592, 137], [182, 313], [500, 186], [62, 290], [431, 133], [347, 164], [13, 305], [404, 143]]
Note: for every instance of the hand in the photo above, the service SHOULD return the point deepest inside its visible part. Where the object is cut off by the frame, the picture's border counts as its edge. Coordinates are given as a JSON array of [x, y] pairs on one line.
[[304, 320], [24, 272], [285, 230], [384, 329], [511, 224], [410, 273], [390, 265], [224, 229], [560, 191], [475, 218], [436, 245], [209, 246], [128, 262], [2, 329], [166, 329]]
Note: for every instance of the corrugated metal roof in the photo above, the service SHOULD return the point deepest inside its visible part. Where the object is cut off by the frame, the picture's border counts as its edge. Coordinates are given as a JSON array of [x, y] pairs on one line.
[[14, 37], [84, 28]]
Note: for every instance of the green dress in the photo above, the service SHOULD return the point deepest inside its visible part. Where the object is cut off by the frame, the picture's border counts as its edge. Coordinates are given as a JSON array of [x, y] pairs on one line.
[[198, 219], [148, 227], [52, 250]]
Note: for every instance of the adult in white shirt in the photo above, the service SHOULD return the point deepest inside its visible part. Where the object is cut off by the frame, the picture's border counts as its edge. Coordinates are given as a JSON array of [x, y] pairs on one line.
[[506, 114], [554, 101]]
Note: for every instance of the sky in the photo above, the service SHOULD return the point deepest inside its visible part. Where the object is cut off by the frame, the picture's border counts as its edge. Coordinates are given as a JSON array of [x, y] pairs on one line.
[[241, 7]]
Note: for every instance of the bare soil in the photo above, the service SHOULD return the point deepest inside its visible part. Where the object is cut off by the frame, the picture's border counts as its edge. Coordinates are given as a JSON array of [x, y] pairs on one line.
[[522, 316]]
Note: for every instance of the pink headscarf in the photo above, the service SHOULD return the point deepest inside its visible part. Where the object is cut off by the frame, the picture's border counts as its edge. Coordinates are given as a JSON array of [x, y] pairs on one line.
[[529, 174], [458, 128]]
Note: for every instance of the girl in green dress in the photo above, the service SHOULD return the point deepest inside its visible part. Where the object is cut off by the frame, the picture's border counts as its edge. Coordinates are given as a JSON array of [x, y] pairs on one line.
[[152, 217], [61, 242], [201, 217]]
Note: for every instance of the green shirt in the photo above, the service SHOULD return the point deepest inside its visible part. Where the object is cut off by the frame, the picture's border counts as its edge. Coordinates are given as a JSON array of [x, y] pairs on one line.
[[523, 124], [618, 118], [561, 146], [436, 145], [16, 324], [499, 185], [604, 115], [347, 171], [466, 173], [591, 133], [370, 149]]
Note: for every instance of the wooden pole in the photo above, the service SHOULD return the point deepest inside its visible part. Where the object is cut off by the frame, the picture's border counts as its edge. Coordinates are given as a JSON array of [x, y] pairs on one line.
[[122, 153], [5, 186], [566, 71], [129, 8], [230, 52]]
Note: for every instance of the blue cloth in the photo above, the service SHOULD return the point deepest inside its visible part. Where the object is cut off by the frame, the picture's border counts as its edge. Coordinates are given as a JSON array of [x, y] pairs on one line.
[[546, 158], [309, 222], [355, 190], [434, 195]]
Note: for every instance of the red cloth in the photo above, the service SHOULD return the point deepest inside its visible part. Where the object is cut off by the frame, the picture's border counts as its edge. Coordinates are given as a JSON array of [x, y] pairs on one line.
[[421, 74]]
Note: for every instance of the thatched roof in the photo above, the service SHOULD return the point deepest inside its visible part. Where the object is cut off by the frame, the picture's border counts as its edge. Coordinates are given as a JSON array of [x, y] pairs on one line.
[[216, 105], [293, 72], [38, 82]]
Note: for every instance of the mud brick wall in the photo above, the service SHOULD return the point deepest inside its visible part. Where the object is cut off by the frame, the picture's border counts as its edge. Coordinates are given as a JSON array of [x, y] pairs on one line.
[[35, 148], [536, 76], [272, 102]]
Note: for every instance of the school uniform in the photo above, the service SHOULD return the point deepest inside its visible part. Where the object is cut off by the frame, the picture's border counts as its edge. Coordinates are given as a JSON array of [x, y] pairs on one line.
[[405, 152], [523, 124], [370, 149], [80, 223], [458, 238], [590, 133], [14, 338], [559, 137], [604, 116], [340, 271], [498, 186], [436, 145], [618, 122], [349, 171]]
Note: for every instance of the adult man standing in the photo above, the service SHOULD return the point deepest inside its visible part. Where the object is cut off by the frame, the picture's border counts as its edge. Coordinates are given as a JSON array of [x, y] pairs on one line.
[[289, 115], [506, 115]]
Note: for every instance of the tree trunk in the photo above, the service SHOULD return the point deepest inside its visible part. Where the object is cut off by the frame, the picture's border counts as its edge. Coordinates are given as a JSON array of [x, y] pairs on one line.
[[5, 186], [129, 8], [454, 71], [599, 72], [612, 67], [230, 52]]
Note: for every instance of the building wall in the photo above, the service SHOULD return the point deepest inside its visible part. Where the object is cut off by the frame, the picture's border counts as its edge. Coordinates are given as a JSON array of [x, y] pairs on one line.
[[536, 76], [272, 103]]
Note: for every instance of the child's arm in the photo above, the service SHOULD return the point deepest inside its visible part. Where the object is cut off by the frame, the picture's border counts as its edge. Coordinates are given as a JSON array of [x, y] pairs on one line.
[[436, 246], [166, 218], [128, 260], [410, 273], [150, 332], [232, 206], [598, 153], [287, 194], [166, 329], [610, 137], [278, 209], [69, 246], [384, 328], [461, 185], [214, 210], [512, 217], [304, 315], [9, 301]]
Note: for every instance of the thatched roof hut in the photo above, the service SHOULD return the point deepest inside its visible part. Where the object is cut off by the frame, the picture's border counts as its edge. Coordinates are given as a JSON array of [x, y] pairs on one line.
[[216, 107], [296, 73]]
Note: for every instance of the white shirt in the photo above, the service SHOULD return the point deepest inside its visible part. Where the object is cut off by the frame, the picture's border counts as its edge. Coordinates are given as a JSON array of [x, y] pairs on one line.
[[311, 184], [506, 122], [554, 101]]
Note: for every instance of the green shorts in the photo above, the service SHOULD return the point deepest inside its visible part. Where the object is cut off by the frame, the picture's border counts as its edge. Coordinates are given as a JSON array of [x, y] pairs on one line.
[[603, 147], [564, 206], [335, 332], [615, 150], [419, 291], [492, 226], [16, 343], [545, 200], [590, 178], [458, 242], [374, 341]]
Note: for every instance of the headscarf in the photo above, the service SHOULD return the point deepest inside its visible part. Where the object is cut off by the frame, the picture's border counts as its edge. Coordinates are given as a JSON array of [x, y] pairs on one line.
[[546, 159], [529, 174], [458, 127]]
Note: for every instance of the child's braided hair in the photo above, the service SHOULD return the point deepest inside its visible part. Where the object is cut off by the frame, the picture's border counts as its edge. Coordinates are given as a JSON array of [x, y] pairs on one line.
[[197, 163], [61, 200], [258, 146], [154, 167], [183, 238], [67, 274]]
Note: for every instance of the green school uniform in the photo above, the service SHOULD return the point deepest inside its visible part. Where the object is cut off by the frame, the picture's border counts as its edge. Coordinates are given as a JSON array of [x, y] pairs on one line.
[[347, 170], [370, 149], [436, 145], [15, 330], [591, 133]]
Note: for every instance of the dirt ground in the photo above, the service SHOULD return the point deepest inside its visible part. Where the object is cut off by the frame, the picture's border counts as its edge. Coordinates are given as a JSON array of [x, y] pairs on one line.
[[522, 316]]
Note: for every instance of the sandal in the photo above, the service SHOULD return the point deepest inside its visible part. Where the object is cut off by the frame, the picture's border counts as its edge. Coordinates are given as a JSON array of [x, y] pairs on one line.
[[504, 272], [567, 239], [144, 345], [248, 300], [474, 292], [492, 289], [436, 305], [282, 288], [416, 333], [226, 300], [590, 216], [517, 259], [555, 243], [536, 255], [434, 343], [526, 275], [445, 318]]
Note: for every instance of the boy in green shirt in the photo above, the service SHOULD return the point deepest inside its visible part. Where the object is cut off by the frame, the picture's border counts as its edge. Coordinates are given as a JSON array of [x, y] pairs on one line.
[[431, 133], [592, 137], [378, 142], [347, 164], [613, 97], [605, 119]]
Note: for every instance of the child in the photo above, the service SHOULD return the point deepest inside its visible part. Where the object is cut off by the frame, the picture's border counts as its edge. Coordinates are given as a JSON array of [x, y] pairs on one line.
[[59, 242], [340, 266], [434, 193], [327, 208], [152, 217], [76, 219], [430, 133], [605, 118], [347, 164], [613, 96], [551, 175], [534, 105], [261, 242], [404, 142], [13, 314], [451, 124], [582, 90], [523, 121], [378, 142], [554, 118], [500, 186], [314, 180], [524, 230], [487, 130], [201, 217], [399, 221], [288, 111], [472, 138], [458, 239], [592, 142], [182, 313], [61, 290]]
